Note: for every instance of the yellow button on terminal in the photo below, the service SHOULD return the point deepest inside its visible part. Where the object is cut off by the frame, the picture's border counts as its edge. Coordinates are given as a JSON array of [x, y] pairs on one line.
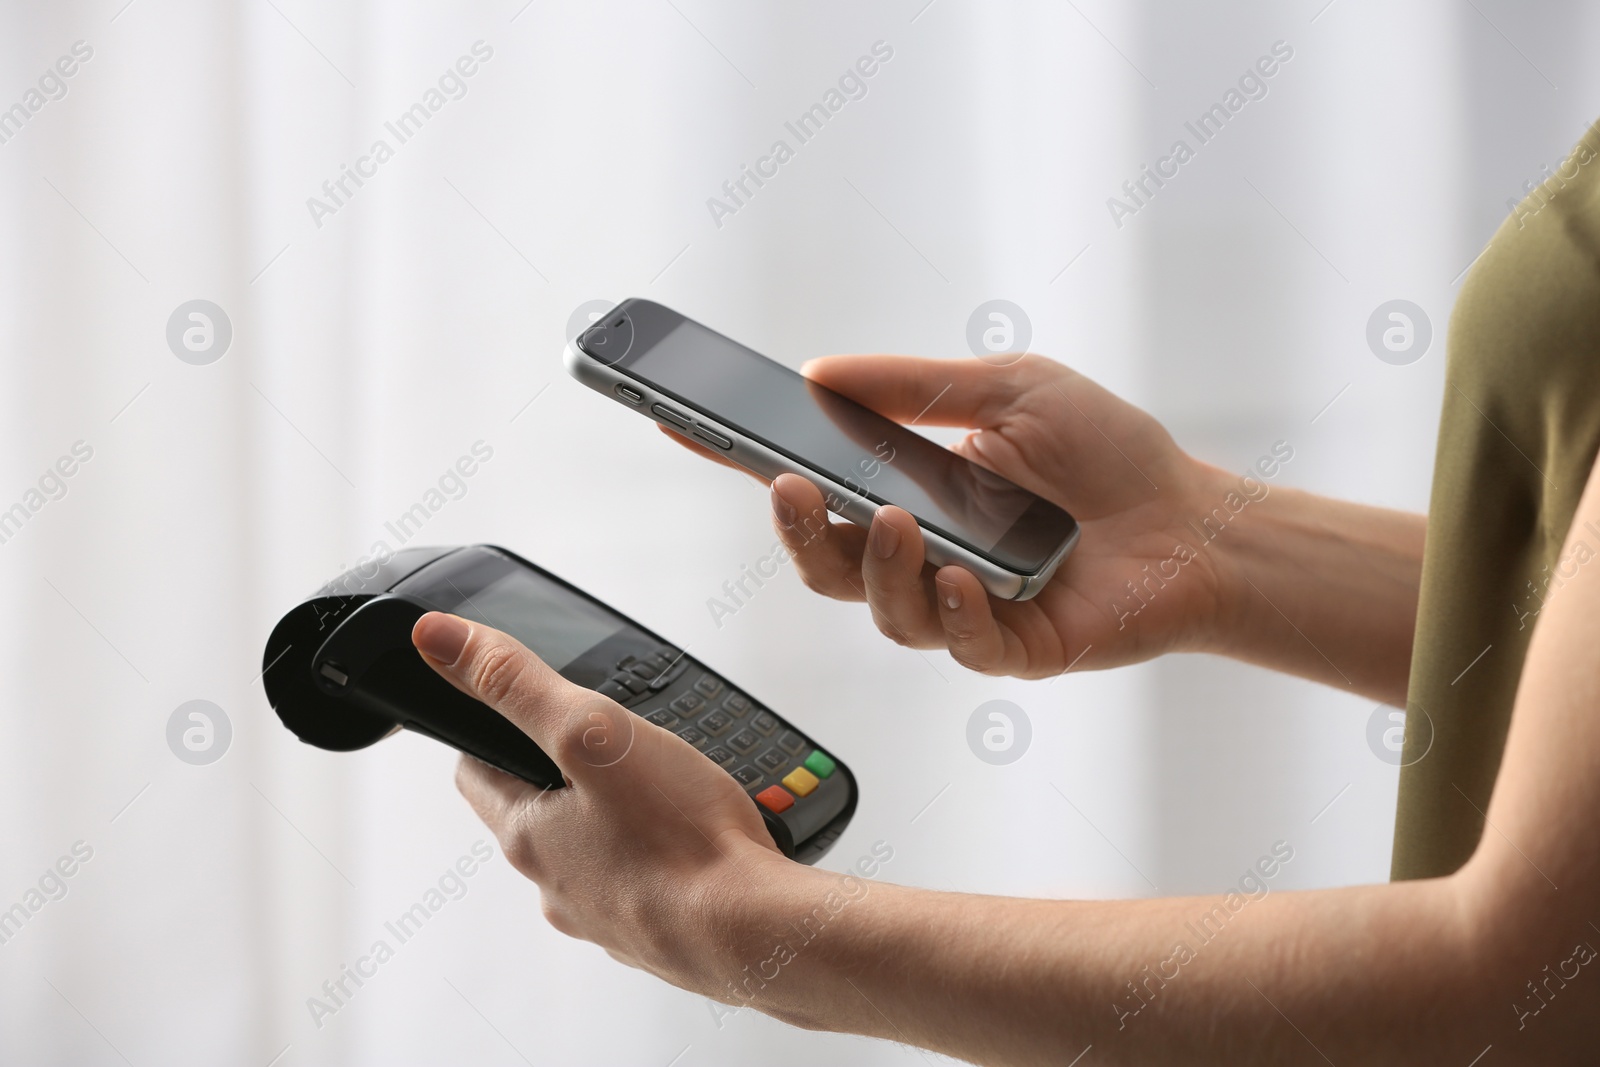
[[800, 782]]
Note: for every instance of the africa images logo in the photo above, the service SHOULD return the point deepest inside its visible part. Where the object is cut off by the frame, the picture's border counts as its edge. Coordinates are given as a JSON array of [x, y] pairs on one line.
[[199, 732], [999, 732], [199, 332]]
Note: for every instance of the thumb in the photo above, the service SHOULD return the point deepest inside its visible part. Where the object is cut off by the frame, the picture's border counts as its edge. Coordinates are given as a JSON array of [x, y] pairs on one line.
[[930, 392], [575, 727]]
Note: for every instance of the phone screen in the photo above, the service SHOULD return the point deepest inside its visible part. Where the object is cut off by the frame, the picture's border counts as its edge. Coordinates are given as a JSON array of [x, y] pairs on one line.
[[867, 453]]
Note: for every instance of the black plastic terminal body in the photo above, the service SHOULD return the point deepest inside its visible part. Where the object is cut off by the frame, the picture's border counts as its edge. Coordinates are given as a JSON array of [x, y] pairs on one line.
[[341, 672]]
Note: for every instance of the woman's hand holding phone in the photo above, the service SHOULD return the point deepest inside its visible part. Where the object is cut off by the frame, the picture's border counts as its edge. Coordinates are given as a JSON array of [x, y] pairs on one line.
[[1061, 436]]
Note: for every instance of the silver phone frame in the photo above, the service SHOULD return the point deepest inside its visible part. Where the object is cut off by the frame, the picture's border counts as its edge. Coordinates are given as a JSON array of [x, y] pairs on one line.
[[842, 500]]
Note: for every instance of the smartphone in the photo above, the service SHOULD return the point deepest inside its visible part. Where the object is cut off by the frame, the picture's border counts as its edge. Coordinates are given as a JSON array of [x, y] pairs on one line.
[[771, 420]]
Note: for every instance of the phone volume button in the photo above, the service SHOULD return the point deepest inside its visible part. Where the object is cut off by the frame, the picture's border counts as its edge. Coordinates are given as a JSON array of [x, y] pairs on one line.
[[712, 437], [632, 396], [677, 418]]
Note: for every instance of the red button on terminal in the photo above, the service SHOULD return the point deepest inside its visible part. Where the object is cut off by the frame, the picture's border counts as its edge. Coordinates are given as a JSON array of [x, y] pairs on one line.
[[775, 799]]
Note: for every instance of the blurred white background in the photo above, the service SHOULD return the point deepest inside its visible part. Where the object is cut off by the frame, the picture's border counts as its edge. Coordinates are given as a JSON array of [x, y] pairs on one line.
[[370, 351]]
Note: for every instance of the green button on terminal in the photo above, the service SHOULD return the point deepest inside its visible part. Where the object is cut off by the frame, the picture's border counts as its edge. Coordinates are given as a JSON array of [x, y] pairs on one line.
[[819, 764]]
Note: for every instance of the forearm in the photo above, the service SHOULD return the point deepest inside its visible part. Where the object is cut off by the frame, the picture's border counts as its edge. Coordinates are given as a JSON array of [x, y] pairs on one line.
[[1377, 974], [1321, 588]]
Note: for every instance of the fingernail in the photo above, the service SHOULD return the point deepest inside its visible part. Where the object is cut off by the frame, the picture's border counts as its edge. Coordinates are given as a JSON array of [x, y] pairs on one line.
[[949, 593], [884, 538], [441, 636], [784, 510]]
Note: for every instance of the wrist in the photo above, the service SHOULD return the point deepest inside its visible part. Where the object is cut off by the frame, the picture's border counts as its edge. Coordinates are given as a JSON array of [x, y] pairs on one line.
[[1198, 522], [768, 925], [1252, 527], [734, 911]]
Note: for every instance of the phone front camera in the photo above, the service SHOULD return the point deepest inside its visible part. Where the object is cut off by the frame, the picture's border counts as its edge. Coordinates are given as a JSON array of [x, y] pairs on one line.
[[608, 343]]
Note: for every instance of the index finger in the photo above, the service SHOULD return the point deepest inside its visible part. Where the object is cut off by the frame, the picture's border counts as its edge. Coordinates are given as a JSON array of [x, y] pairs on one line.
[[933, 392]]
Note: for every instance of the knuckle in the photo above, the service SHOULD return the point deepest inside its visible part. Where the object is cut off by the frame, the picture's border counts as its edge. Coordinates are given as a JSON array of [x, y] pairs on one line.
[[962, 636], [809, 579], [598, 733], [557, 916], [891, 631], [517, 846], [799, 543], [967, 648], [814, 580], [464, 778], [971, 662], [495, 673], [570, 744], [811, 531]]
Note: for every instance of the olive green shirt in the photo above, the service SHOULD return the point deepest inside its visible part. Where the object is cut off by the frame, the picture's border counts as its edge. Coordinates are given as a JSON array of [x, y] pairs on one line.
[[1518, 436]]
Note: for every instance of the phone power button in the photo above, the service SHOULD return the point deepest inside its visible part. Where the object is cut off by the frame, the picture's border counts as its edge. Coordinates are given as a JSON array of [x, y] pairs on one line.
[[632, 396]]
